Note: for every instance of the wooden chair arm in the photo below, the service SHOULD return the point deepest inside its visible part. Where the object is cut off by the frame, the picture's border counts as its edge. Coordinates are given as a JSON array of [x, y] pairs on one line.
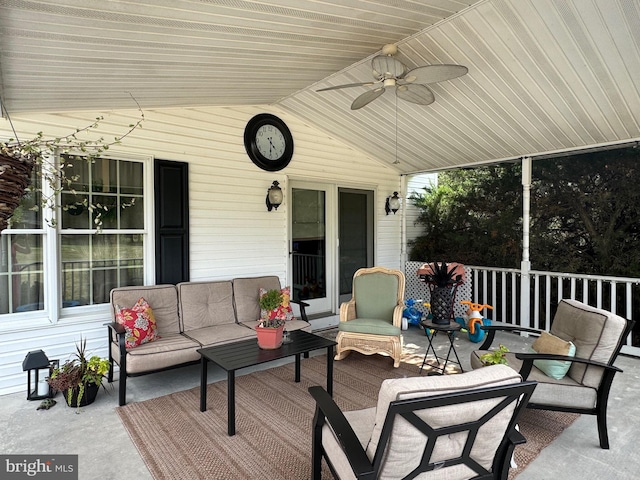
[[348, 311]]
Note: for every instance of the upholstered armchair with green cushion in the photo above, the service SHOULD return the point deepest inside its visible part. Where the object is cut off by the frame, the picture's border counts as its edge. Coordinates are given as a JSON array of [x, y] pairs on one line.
[[370, 322]]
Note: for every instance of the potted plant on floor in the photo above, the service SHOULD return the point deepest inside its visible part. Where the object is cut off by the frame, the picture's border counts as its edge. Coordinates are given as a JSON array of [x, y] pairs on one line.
[[80, 378], [269, 330]]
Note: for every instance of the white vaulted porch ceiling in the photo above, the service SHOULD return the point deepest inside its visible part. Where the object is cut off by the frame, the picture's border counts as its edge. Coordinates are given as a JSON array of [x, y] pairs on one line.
[[544, 75]]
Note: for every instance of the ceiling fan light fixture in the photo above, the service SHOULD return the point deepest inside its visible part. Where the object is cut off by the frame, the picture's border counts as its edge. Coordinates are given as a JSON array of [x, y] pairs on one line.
[[385, 66]]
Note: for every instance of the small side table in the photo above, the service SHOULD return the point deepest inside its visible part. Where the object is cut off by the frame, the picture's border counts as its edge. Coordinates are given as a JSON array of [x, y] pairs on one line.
[[450, 329]]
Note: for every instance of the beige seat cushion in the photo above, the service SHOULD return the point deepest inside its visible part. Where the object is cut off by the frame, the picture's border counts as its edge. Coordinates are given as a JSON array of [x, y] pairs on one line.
[[170, 349], [407, 445]]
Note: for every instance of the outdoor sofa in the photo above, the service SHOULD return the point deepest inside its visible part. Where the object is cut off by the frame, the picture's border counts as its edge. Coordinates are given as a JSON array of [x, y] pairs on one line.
[[189, 316]]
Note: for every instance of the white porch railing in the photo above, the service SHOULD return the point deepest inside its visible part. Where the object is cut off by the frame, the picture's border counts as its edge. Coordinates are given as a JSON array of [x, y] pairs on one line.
[[500, 288]]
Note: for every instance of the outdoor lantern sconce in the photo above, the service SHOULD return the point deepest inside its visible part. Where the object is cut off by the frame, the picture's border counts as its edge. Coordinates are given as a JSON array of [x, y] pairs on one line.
[[392, 204], [38, 368], [274, 196]]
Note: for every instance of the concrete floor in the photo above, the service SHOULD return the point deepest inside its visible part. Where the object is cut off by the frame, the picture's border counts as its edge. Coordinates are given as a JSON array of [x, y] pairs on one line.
[[106, 451]]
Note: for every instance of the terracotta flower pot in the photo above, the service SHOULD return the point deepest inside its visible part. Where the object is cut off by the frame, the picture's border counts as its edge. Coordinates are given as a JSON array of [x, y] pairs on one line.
[[15, 176], [269, 338]]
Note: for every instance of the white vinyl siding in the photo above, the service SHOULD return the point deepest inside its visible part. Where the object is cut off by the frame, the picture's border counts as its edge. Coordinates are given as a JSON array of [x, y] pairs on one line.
[[231, 232]]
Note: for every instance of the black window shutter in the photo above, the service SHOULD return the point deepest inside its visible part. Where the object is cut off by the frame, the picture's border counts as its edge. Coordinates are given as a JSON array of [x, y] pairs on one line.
[[171, 183]]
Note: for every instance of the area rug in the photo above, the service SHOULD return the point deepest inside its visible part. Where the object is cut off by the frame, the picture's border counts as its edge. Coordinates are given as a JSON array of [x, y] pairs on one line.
[[273, 422]]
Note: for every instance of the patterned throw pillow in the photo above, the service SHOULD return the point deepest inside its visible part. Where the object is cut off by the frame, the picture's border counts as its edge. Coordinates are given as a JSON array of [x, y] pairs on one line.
[[284, 311], [139, 323]]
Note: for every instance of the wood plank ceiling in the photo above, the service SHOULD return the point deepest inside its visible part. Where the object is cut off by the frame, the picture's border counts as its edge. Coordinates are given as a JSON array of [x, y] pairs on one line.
[[544, 75]]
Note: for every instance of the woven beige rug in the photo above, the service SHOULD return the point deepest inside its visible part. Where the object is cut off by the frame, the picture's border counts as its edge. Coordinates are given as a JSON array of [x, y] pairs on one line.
[[273, 422]]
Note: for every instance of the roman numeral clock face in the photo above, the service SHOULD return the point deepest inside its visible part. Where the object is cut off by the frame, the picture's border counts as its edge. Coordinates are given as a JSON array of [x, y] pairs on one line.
[[268, 142]]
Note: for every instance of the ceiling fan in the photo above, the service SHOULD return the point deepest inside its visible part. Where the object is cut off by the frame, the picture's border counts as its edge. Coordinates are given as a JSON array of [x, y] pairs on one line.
[[409, 85]]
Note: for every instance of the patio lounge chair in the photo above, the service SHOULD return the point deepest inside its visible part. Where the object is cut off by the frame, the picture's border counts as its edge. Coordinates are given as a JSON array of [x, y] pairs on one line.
[[597, 336], [451, 426], [370, 322]]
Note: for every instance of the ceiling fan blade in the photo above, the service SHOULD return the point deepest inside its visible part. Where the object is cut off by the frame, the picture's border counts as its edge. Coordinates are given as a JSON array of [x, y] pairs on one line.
[[419, 94], [366, 98], [348, 85], [435, 73]]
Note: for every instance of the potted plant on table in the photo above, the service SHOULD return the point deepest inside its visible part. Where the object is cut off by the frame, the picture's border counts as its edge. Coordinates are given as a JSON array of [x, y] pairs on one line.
[[269, 330], [443, 279], [80, 378]]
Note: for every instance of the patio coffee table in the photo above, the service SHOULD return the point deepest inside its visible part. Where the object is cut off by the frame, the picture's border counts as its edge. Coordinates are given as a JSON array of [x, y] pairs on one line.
[[234, 356]]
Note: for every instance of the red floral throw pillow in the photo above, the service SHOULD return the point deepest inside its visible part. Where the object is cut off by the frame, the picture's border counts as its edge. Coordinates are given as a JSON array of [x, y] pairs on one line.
[[139, 323], [284, 311]]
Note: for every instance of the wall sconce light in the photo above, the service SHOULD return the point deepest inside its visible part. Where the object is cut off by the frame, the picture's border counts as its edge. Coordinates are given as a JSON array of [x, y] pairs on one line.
[[392, 204], [38, 368], [274, 196]]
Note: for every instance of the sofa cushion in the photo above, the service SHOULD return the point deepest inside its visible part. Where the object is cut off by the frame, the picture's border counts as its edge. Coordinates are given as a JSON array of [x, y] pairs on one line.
[[290, 326], [138, 322], [246, 292], [549, 391], [404, 451], [217, 334], [205, 304], [162, 298], [169, 350]]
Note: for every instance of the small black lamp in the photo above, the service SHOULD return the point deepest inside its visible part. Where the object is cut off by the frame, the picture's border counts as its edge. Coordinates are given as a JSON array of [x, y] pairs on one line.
[[38, 368], [274, 196], [392, 204]]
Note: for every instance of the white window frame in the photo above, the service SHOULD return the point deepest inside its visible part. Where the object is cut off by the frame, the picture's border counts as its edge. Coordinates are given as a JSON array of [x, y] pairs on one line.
[[53, 313]]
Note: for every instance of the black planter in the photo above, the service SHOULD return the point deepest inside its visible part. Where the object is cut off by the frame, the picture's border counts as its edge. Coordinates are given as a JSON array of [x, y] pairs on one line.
[[88, 397], [441, 305]]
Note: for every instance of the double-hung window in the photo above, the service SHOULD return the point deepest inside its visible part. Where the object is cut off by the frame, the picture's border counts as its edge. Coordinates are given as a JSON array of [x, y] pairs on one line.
[[97, 242]]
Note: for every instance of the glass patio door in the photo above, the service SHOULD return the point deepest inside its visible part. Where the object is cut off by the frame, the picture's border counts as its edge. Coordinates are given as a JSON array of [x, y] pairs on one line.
[[312, 251]]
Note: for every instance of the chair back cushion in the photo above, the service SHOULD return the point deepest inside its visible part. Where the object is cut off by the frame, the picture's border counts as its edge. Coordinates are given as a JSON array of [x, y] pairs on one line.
[[163, 300], [246, 292], [406, 444], [205, 304], [596, 333], [376, 295]]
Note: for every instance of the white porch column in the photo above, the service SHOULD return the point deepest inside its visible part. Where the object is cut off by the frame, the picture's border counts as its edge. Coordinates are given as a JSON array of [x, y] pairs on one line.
[[403, 222], [525, 264]]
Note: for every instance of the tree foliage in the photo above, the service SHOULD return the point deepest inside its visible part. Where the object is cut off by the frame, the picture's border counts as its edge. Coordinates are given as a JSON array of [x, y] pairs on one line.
[[584, 215]]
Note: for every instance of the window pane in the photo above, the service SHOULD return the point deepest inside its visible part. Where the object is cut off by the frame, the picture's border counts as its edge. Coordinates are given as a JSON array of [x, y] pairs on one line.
[[132, 215], [131, 178], [76, 169], [105, 178], [115, 260], [74, 211], [75, 254], [29, 213], [21, 273], [107, 210]]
